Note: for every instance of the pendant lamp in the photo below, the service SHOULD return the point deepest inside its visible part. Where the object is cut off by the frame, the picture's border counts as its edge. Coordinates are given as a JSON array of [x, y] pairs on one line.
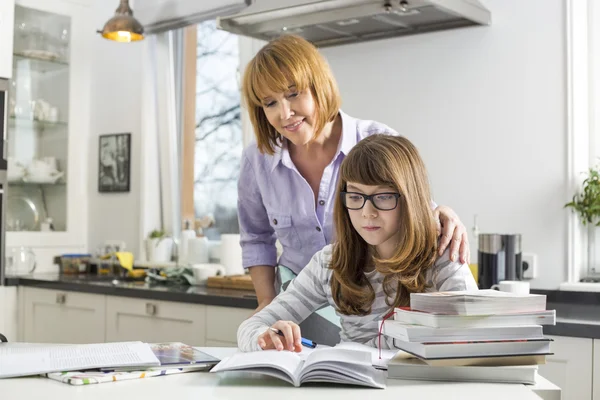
[[123, 27]]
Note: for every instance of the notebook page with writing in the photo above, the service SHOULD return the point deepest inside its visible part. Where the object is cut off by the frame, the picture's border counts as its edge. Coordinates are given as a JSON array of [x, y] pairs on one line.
[[19, 360]]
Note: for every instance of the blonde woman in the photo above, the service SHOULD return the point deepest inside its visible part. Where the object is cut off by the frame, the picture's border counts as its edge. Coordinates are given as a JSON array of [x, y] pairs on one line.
[[386, 247]]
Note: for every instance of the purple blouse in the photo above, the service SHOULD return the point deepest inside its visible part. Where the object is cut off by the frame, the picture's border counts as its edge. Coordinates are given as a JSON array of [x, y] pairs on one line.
[[276, 202]]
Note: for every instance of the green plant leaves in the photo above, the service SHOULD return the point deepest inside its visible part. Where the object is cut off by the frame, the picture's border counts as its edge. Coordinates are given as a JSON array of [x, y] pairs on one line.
[[587, 203]]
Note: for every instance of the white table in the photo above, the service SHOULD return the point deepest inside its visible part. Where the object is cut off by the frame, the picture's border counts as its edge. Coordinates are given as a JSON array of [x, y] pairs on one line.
[[238, 385]]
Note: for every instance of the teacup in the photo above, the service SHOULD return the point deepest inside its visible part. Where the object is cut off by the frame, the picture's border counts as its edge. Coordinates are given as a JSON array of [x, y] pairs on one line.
[[518, 287], [204, 271]]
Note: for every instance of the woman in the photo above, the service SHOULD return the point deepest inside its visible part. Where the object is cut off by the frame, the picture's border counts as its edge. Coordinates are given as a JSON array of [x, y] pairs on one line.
[[288, 177]]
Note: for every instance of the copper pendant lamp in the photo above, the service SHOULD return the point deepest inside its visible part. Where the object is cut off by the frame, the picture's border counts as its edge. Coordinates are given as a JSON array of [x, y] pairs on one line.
[[123, 27]]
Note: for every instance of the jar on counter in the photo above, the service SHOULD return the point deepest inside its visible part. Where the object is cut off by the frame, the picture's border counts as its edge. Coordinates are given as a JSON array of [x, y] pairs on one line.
[[74, 264]]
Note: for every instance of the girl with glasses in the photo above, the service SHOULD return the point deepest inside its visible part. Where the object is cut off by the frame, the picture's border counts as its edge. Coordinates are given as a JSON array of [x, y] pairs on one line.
[[386, 247], [288, 177]]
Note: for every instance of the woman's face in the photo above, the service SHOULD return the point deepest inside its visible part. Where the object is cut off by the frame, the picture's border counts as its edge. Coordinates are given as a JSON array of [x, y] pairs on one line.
[[292, 114]]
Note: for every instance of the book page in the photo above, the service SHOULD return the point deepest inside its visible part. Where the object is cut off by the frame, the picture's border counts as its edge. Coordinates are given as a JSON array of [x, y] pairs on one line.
[[285, 361], [386, 355], [19, 360], [338, 356]]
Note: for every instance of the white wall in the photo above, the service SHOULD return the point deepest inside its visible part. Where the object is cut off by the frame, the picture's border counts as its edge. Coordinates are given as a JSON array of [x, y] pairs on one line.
[[116, 91], [486, 106]]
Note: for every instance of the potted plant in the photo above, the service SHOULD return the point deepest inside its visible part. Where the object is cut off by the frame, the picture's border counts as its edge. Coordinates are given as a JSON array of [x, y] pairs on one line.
[[159, 246], [587, 205]]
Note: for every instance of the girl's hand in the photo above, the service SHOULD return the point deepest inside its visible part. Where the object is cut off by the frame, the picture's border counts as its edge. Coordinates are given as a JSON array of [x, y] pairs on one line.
[[452, 232], [291, 339]]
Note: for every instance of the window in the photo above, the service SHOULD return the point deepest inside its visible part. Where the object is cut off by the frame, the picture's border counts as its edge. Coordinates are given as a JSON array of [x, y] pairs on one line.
[[583, 38], [217, 133]]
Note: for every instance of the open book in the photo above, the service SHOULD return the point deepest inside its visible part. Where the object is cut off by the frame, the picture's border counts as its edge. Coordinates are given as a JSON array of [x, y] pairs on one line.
[[22, 359], [327, 364]]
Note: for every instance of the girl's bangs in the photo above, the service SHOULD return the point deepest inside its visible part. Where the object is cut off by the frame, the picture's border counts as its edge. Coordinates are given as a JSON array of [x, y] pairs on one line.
[[366, 169]]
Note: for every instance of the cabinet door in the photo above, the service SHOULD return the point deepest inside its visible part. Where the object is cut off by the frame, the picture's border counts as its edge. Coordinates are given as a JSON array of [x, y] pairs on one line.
[[7, 17], [53, 316], [49, 124], [222, 324], [570, 368], [154, 321], [596, 377]]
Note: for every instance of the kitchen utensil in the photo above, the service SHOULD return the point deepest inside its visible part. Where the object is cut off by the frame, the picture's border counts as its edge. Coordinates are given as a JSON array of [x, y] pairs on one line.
[[204, 271], [22, 214], [20, 261], [499, 258]]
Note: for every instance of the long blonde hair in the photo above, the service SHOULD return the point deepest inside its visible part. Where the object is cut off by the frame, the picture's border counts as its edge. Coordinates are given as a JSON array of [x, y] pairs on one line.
[[286, 59], [391, 161]]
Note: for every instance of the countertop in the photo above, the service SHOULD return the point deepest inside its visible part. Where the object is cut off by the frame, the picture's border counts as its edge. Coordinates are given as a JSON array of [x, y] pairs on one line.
[[578, 313], [139, 289], [237, 385]]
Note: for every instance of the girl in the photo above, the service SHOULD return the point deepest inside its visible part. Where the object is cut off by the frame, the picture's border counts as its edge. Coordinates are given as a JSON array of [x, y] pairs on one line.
[[386, 248], [288, 177]]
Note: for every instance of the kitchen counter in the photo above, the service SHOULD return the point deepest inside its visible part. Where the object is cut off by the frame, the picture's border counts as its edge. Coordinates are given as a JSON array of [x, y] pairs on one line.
[[139, 289], [234, 385], [578, 313]]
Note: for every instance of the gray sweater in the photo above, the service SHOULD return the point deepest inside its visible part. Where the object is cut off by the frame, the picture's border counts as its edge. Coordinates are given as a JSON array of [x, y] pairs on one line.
[[311, 290]]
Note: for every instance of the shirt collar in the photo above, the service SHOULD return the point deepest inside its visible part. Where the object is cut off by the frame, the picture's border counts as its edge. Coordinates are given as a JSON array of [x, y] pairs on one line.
[[347, 142], [348, 139]]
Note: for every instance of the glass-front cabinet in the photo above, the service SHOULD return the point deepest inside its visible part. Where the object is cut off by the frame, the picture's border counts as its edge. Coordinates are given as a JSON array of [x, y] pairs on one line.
[[48, 123]]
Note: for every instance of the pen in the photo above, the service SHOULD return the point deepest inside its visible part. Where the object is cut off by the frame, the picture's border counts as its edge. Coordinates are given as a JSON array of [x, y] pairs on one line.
[[305, 342]]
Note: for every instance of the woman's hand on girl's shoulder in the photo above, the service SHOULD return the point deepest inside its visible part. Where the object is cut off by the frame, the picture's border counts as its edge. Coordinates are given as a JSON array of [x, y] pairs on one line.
[[282, 335], [453, 233]]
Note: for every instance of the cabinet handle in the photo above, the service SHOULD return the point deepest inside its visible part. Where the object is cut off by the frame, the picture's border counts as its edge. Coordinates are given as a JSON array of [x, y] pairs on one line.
[[61, 298], [151, 309]]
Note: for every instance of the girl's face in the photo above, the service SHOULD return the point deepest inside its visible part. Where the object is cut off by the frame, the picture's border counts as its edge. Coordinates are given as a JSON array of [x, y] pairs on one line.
[[291, 113], [379, 228]]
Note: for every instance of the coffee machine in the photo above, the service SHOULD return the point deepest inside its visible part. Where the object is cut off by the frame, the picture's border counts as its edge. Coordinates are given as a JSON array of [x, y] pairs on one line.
[[499, 259]]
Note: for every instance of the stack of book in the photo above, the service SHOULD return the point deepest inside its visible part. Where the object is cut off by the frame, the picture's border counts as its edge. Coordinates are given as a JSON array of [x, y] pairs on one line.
[[484, 335]]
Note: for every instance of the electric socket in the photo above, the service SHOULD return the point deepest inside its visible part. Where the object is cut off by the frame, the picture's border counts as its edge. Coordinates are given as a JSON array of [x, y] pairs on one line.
[[530, 267]]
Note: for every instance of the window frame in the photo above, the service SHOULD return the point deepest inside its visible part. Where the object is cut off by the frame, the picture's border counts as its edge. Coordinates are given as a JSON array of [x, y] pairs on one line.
[[583, 87]]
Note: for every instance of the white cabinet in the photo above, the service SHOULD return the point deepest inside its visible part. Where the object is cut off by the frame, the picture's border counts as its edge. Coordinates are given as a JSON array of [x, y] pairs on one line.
[[222, 324], [8, 312], [7, 12], [52, 316], [570, 368], [154, 321], [49, 123], [596, 377]]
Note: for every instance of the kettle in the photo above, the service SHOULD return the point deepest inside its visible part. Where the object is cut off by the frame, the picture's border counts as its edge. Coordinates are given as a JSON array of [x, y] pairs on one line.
[[499, 259]]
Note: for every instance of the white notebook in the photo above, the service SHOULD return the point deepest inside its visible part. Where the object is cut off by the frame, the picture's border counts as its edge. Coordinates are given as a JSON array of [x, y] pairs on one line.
[[23, 359]]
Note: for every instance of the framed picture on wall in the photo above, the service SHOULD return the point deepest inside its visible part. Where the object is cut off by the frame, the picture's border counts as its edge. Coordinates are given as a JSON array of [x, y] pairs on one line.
[[114, 164]]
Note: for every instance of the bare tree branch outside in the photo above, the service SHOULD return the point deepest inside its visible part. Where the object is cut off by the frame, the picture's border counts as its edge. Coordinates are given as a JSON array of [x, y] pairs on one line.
[[218, 127]]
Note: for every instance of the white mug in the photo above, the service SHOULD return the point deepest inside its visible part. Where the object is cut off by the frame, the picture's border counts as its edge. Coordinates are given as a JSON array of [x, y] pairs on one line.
[[204, 271], [518, 287]]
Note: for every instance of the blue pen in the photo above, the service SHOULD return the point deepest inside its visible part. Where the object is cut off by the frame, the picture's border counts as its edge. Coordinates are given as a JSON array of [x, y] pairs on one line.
[[305, 342]]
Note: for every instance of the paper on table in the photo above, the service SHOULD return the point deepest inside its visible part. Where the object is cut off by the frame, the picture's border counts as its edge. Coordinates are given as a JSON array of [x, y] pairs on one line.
[[19, 360], [386, 355]]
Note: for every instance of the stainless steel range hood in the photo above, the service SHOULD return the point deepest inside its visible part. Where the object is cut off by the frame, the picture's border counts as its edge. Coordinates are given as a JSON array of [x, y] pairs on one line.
[[334, 22]]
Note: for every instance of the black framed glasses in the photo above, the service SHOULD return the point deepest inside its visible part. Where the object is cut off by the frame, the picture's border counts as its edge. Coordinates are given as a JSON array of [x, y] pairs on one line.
[[381, 201]]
